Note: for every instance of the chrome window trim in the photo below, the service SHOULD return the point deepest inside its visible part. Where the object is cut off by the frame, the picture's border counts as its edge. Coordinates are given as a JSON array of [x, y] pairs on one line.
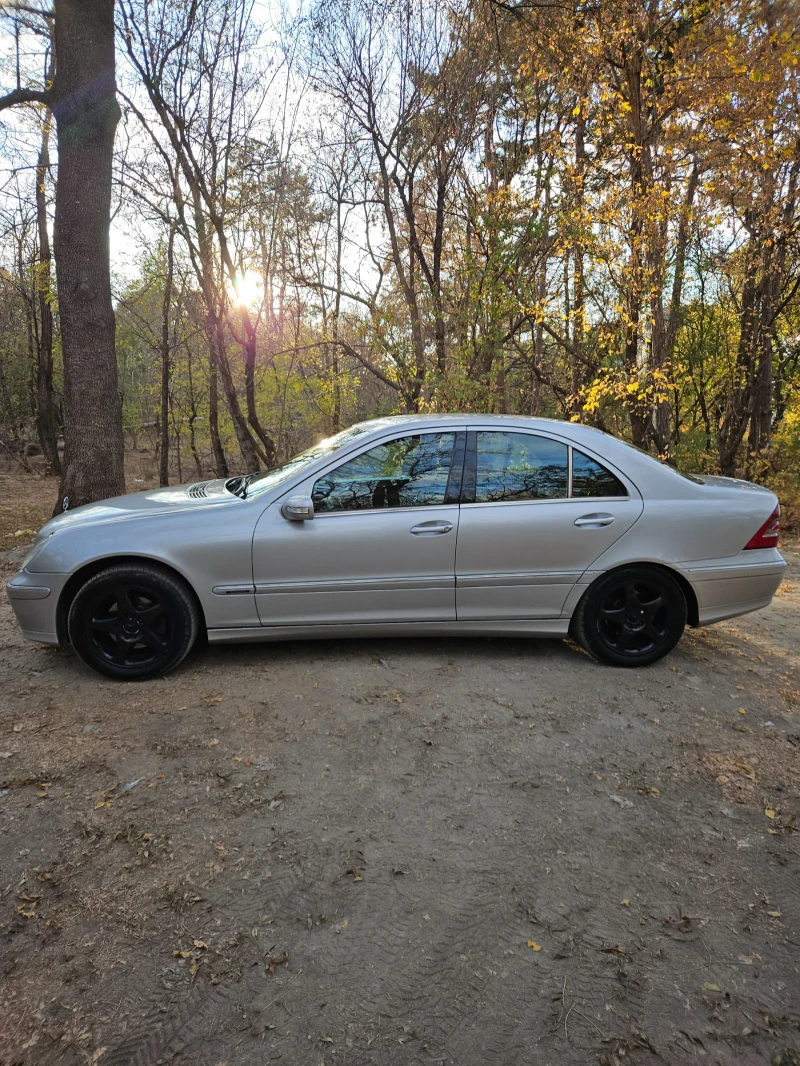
[[422, 507], [556, 500]]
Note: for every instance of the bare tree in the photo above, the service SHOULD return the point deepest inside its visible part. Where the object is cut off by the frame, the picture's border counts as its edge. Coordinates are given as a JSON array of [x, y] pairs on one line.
[[405, 75], [194, 67]]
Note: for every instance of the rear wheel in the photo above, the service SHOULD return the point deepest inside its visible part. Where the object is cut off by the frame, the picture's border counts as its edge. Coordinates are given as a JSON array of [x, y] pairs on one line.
[[631, 617], [133, 621]]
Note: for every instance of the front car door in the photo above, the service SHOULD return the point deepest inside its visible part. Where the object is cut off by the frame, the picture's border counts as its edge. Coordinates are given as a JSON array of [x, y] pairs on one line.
[[536, 512], [381, 546]]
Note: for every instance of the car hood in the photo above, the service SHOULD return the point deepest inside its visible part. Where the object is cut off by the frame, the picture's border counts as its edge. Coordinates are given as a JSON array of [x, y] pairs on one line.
[[147, 504]]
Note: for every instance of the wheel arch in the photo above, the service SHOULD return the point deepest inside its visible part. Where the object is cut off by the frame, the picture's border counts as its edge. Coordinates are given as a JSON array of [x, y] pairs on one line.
[[88, 570], [692, 606]]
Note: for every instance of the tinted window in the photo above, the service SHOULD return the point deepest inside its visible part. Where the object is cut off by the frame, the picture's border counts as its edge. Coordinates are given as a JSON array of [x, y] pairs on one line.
[[517, 466], [589, 478], [408, 472]]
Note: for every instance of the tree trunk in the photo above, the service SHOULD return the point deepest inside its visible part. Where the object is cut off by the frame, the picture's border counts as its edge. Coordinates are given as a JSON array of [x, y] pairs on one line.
[[218, 452], [163, 465], [578, 285], [247, 445], [45, 405], [250, 354], [193, 413], [86, 113]]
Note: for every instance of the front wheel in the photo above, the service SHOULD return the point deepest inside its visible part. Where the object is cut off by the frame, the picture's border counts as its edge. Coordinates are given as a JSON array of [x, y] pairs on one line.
[[631, 617], [133, 621]]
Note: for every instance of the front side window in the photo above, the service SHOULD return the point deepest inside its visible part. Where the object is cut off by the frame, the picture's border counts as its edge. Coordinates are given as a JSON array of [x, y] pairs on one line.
[[408, 472], [589, 478], [519, 466]]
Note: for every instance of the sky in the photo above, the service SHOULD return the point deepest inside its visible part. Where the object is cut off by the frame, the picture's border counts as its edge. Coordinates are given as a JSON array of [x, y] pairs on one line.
[[19, 128]]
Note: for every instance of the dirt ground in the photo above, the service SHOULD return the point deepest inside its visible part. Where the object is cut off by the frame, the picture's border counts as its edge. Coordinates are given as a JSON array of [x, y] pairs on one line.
[[385, 853]]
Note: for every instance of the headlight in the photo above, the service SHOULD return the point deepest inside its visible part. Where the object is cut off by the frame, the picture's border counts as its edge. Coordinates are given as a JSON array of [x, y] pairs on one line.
[[36, 548]]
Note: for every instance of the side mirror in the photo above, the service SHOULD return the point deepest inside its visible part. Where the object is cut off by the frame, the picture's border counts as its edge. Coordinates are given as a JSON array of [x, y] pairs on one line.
[[298, 508]]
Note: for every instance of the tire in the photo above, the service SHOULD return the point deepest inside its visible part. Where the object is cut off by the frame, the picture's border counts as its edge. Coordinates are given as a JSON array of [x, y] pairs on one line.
[[133, 621], [633, 616]]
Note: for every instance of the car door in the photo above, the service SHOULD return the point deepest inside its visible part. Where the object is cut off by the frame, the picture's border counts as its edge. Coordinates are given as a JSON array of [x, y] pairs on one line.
[[381, 546], [535, 514]]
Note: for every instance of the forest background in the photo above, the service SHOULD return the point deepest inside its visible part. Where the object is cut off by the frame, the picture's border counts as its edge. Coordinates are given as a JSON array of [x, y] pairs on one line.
[[584, 210]]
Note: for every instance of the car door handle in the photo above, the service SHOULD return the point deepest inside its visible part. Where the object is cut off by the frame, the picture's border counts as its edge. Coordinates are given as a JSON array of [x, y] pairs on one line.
[[431, 529], [594, 521]]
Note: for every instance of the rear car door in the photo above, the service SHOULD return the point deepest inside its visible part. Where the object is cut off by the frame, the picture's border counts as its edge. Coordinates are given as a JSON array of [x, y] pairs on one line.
[[381, 546], [536, 512]]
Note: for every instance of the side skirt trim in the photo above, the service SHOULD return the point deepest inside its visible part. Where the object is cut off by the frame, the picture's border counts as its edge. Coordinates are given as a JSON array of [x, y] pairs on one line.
[[544, 627]]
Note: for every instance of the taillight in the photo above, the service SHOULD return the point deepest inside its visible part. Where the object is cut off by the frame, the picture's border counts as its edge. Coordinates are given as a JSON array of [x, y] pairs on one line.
[[767, 536]]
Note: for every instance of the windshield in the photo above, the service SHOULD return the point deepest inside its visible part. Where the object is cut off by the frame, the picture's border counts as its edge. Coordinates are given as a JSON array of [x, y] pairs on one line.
[[256, 484]]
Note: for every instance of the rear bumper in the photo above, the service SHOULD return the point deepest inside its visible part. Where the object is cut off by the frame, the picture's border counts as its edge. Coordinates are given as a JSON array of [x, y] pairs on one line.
[[729, 587], [34, 599]]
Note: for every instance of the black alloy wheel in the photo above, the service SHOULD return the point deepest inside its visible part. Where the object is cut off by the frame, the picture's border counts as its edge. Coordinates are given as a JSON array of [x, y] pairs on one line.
[[632, 616], [133, 622]]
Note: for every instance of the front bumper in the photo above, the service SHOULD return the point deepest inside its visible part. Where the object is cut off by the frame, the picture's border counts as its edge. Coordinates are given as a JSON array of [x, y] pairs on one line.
[[34, 599]]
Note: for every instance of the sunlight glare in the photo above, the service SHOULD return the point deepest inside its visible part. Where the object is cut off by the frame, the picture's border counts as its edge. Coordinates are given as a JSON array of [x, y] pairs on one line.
[[249, 289]]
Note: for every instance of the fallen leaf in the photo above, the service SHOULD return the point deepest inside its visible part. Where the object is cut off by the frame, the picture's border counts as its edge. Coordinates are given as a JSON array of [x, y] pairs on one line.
[[534, 946], [774, 914], [6, 754], [709, 987], [213, 742], [200, 944], [770, 812], [18, 727], [625, 902], [742, 710]]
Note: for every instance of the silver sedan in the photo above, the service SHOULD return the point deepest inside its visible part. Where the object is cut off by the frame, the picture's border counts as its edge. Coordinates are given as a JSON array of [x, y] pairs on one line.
[[445, 524]]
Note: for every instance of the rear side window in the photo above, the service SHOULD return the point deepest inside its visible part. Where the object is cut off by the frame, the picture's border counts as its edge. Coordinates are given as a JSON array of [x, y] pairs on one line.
[[407, 472], [589, 478], [519, 466]]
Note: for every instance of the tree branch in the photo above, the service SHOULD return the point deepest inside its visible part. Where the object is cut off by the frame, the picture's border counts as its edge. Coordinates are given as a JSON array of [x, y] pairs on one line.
[[24, 96]]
